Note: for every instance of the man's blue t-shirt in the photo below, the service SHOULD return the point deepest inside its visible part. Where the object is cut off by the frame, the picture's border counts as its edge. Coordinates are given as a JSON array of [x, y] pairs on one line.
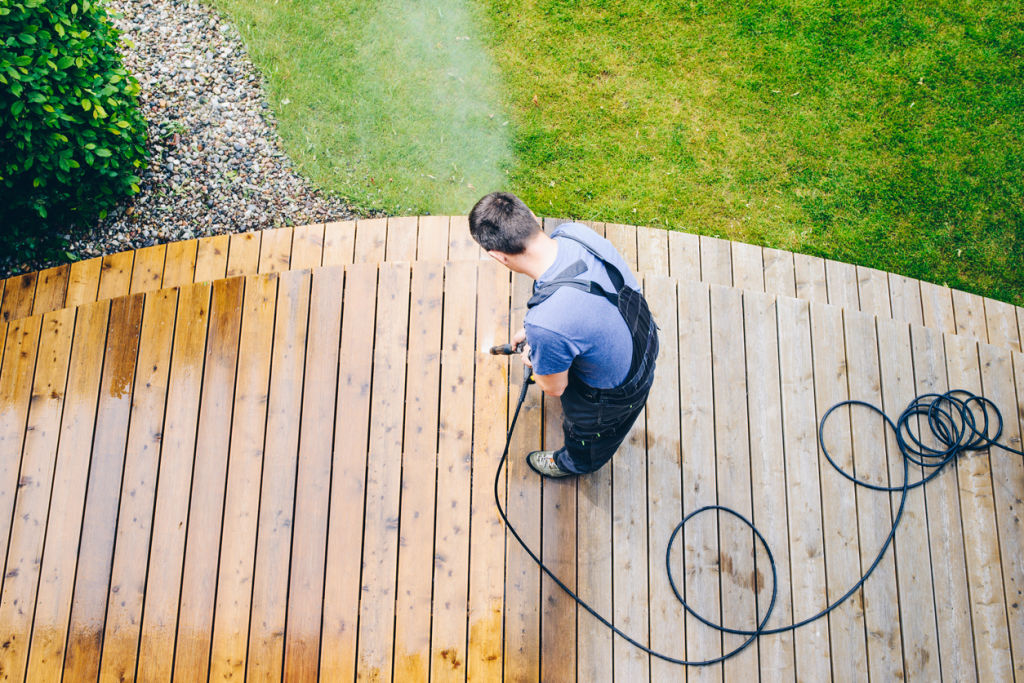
[[576, 328]]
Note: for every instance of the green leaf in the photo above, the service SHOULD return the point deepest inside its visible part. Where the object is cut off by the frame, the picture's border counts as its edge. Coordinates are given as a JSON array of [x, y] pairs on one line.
[[102, 152], [59, 29], [49, 108], [17, 107], [86, 104], [27, 38], [36, 182], [123, 124]]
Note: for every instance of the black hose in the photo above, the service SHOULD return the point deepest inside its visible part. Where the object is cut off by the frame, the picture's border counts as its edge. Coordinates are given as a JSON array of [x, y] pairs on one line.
[[953, 425]]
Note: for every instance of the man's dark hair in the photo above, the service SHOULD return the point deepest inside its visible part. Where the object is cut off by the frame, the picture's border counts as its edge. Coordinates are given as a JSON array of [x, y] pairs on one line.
[[501, 222]]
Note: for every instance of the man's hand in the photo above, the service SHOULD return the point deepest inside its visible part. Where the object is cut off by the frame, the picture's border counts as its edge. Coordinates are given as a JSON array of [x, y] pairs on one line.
[[552, 385]]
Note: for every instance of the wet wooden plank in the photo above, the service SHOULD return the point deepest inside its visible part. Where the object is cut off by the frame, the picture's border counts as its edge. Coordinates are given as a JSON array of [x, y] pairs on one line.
[[419, 463], [461, 243], [432, 239], [339, 243], [873, 286], [167, 547], [179, 264], [209, 471], [806, 545], [684, 255], [212, 258], [345, 523], [242, 496], [148, 271], [99, 520], [371, 239], [809, 272], [24, 553], [243, 254], [307, 246], [969, 312], [115, 275], [779, 272], [874, 518], [451, 545], [747, 266], [715, 261], [768, 476], [623, 238], [60, 553], [937, 307], [732, 447], [652, 251], [383, 480], [487, 533], [841, 282], [277, 492], [52, 288], [981, 536], [138, 488], [997, 375], [19, 294], [401, 239], [83, 282], [522, 582], [949, 572], [275, 250], [905, 299], [1001, 321], [665, 496]]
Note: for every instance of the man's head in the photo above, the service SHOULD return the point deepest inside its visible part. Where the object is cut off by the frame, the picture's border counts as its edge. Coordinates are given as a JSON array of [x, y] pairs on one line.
[[501, 222]]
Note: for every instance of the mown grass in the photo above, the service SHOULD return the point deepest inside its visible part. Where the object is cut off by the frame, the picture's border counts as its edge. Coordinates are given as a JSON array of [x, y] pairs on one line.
[[876, 132]]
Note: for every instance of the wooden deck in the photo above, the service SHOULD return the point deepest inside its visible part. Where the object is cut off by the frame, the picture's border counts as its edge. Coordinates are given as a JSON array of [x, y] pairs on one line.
[[273, 455]]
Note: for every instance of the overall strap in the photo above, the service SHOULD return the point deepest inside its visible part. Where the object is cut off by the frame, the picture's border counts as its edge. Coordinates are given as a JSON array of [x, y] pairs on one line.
[[613, 272]]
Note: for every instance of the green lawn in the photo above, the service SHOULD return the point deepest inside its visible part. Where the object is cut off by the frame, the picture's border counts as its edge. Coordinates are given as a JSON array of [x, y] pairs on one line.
[[886, 134]]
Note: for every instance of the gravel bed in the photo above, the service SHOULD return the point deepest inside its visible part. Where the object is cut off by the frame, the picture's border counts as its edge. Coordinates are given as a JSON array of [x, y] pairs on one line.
[[216, 164]]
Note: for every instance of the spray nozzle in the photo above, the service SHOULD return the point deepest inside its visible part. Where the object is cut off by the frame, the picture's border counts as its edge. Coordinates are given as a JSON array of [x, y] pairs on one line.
[[507, 349]]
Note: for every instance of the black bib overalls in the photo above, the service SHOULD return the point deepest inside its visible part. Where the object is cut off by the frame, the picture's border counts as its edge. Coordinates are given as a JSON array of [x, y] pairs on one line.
[[596, 421]]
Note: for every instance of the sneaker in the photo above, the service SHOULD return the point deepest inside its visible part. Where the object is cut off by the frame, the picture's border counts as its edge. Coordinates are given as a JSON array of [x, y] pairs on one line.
[[543, 463]]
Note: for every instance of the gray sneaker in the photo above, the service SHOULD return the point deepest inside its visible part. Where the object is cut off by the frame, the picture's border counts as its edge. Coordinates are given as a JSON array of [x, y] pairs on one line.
[[543, 463]]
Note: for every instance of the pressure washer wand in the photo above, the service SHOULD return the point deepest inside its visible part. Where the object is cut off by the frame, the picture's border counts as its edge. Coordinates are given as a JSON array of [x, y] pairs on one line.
[[507, 349]]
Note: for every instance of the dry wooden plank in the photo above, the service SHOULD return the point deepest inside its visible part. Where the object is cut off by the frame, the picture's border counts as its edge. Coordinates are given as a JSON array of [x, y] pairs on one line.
[[312, 499], [699, 540], [1001, 321], [522, 583], [19, 293], [401, 239], [138, 488], [148, 271], [596, 226], [99, 519], [243, 253], [212, 258], [275, 250], [209, 470], [652, 251], [874, 518], [842, 550], [339, 243], [461, 244], [937, 307], [841, 283], [905, 298], [179, 264], [768, 477], [715, 261], [873, 286], [345, 523], [451, 545], [779, 272], [242, 497], [24, 553], [307, 246], [949, 573], [981, 540], [623, 238], [997, 375], [969, 312], [665, 496], [806, 545], [1020, 325], [115, 275], [57, 574], [432, 239], [809, 272], [83, 282], [52, 288], [732, 446], [277, 493], [416, 524], [747, 266], [371, 239], [167, 547], [487, 535], [684, 255], [383, 479]]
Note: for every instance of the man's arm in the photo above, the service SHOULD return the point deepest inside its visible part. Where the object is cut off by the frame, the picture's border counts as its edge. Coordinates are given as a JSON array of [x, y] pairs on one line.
[[552, 385]]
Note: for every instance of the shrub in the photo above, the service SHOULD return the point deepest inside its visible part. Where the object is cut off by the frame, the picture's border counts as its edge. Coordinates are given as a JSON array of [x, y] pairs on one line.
[[71, 137]]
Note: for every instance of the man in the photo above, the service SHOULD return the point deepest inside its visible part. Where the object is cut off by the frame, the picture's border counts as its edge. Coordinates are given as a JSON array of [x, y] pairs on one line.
[[590, 337]]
